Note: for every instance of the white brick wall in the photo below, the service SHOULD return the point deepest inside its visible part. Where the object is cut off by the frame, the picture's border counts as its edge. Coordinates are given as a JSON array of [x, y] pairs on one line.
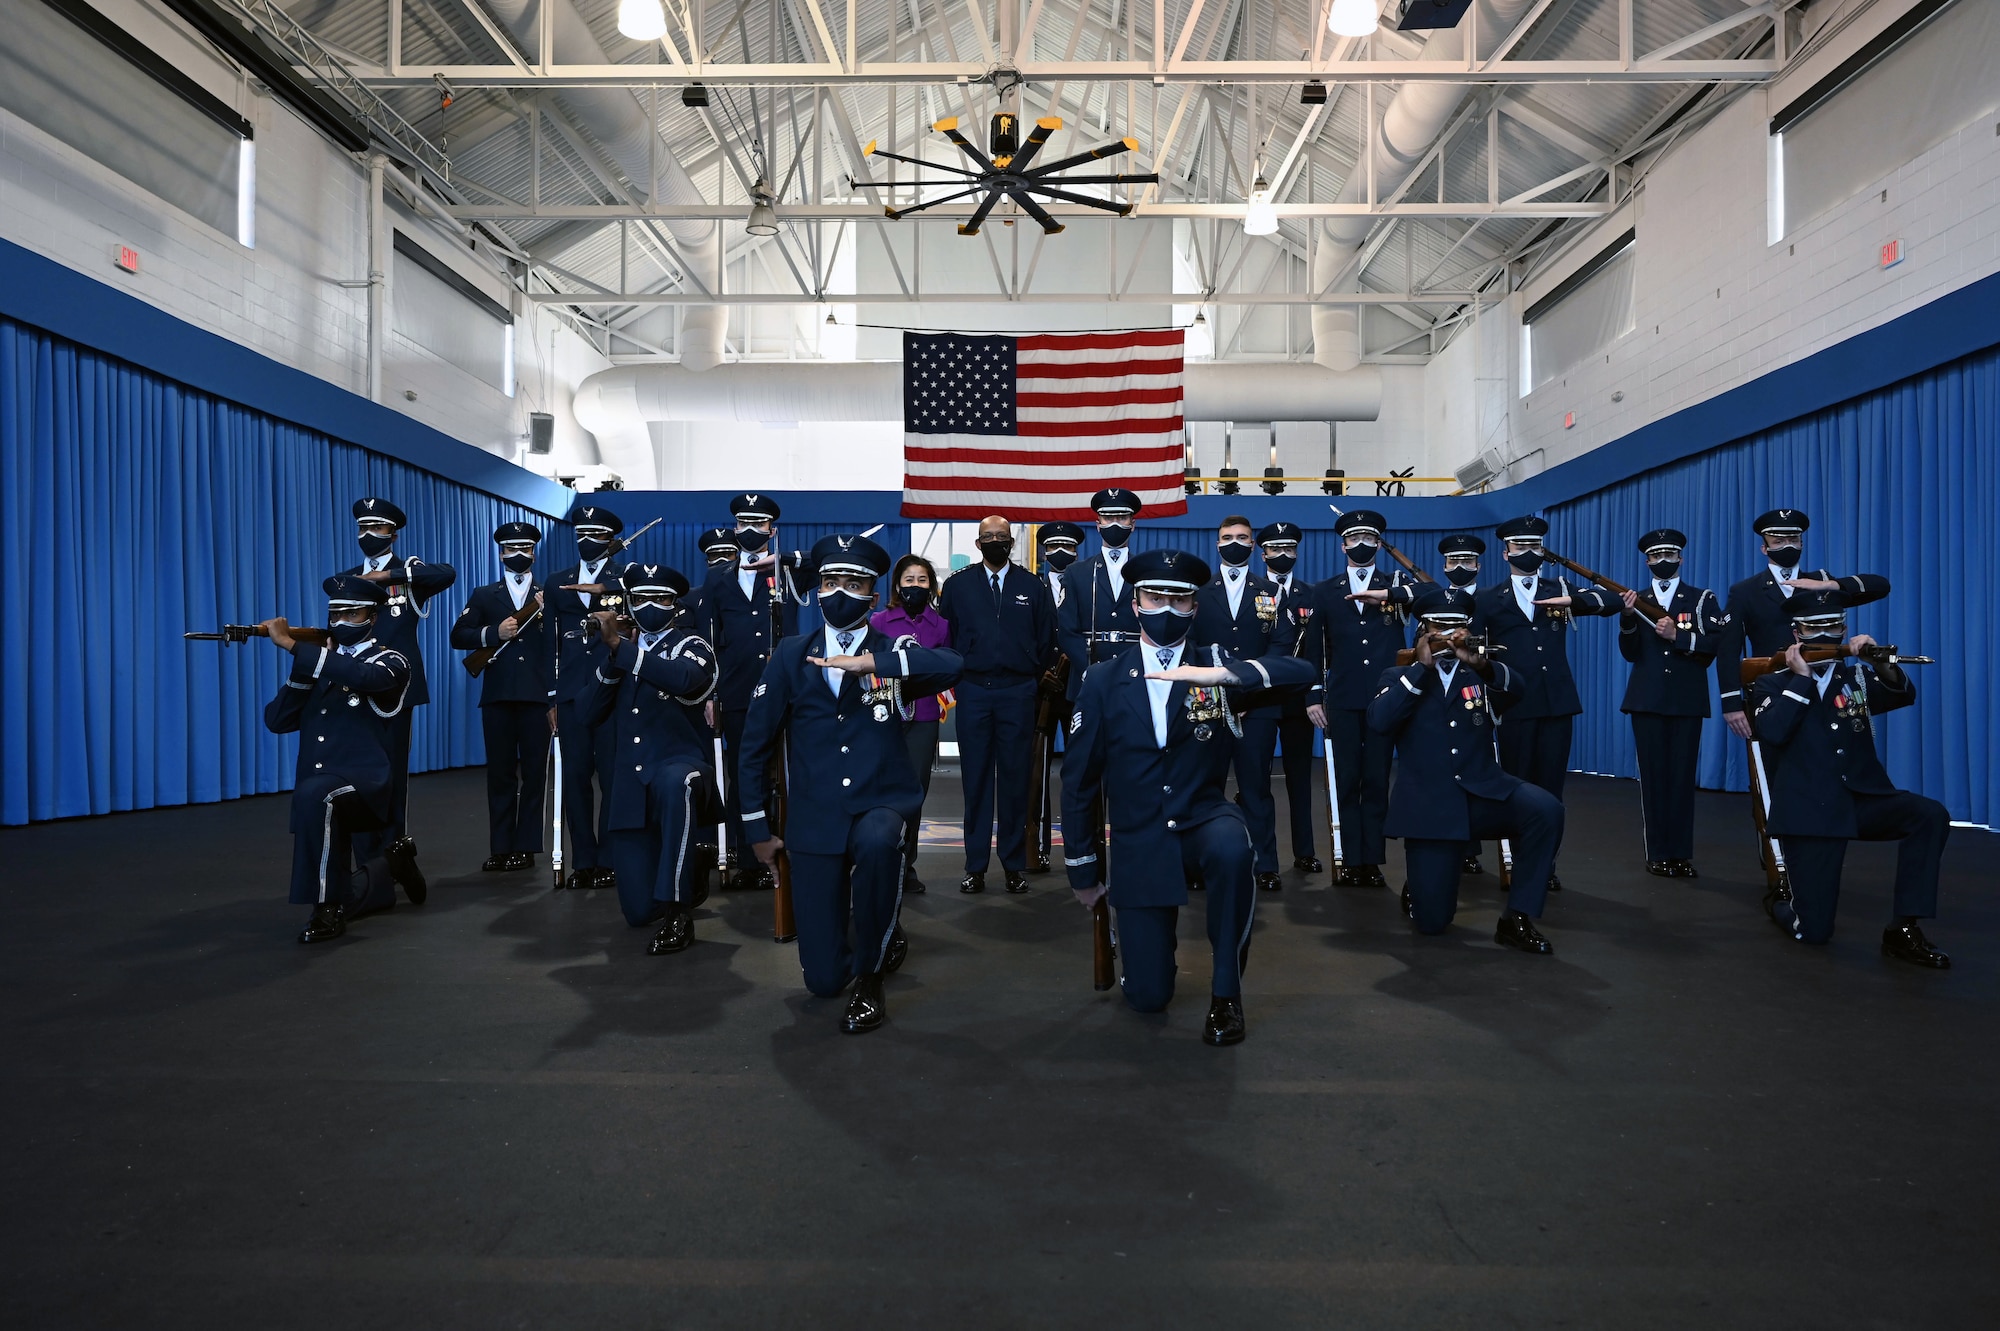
[[1702, 232]]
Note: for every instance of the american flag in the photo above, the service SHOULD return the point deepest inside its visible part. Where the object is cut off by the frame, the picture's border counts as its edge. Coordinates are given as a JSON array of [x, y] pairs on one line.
[[1032, 427]]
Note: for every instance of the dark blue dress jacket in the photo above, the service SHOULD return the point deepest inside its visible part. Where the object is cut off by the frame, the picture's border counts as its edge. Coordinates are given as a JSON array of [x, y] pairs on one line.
[[652, 700], [574, 650], [520, 670], [410, 590], [343, 709], [1007, 643], [1352, 642], [1444, 745], [1671, 678], [1757, 614], [1819, 752], [1262, 625], [1538, 649]]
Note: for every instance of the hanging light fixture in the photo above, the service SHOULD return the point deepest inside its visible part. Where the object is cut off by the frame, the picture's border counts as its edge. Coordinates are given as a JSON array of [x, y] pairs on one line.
[[831, 322], [1261, 218], [763, 220], [1353, 18], [1200, 319], [642, 20]]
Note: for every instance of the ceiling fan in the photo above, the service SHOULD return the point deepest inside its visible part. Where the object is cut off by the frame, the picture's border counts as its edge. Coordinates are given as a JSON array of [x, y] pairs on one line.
[[1010, 172]]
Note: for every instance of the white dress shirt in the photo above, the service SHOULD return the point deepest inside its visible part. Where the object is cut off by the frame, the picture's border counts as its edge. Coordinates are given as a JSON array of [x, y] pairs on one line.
[[1159, 692], [1358, 578], [1056, 587], [366, 643], [1447, 666], [1784, 578], [1524, 593], [1234, 577], [1823, 676], [834, 647], [586, 575], [519, 585], [1114, 569], [1663, 592]]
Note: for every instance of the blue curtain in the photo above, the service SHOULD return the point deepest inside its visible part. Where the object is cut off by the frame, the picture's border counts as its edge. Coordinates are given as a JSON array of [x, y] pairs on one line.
[[133, 509]]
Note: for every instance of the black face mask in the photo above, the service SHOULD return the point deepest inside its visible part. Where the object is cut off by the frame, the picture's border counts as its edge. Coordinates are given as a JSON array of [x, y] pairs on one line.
[[1114, 536], [913, 599], [995, 553], [653, 618], [375, 545], [1785, 556], [845, 610], [1461, 577], [1666, 570], [1165, 627], [750, 540], [1364, 553], [1234, 553], [1058, 559], [1281, 564], [1527, 562], [518, 563], [590, 551], [347, 635]]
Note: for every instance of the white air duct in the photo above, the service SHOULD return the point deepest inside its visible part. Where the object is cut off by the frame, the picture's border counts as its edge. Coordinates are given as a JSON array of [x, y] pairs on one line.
[[625, 399], [1411, 122]]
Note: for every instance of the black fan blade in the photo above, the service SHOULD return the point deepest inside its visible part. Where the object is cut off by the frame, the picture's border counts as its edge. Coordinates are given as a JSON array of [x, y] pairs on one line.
[[949, 128], [1137, 178], [1035, 210], [1122, 209], [970, 227], [1044, 127], [918, 161], [900, 213], [1095, 154]]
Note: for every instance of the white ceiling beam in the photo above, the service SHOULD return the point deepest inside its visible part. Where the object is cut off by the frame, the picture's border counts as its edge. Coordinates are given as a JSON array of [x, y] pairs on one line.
[[831, 212], [593, 300]]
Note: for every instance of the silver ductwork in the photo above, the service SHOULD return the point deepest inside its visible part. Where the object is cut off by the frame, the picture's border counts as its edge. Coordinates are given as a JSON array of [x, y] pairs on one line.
[[1410, 123]]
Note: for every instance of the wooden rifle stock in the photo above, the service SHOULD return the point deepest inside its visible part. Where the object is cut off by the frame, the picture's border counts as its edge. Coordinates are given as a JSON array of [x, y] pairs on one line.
[[1646, 605], [478, 659], [235, 633], [784, 926], [1404, 560], [1756, 667], [1408, 655], [1102, 976]]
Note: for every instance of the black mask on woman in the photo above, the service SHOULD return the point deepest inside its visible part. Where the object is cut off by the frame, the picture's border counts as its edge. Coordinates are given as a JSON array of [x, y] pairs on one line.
[[653, 618], [375, 545], [845, 610], [1665, 570], [590, 550], [518, 563], [1281, 564], [1165, 627], [1461, 577], [1527, 562], [913, 599], [347, 635], [995, 553], [1114, 536], [1785, 556], [750, 540], [1058, 559], [1234, 553], [1362, 553]]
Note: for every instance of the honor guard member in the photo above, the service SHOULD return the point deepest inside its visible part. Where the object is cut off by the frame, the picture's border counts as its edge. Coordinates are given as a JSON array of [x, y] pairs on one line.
[[1667, 699], [342, 700], [576, 650], [837, 699], [718, 551], [1095, 620], [1441, 711], [1352, 636], [1461, 553], [1003, 627], [1816, 721], [1279, 543], [409, 584], [1530, 616], [1058, 543], [1758, 610], [750, 606], [1152, 737], [659, 783], [1239, 612], [517, 697]]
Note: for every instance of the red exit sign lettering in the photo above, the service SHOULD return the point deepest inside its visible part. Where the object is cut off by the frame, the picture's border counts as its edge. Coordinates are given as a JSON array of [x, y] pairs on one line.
[[1892, 254], [125, 257]]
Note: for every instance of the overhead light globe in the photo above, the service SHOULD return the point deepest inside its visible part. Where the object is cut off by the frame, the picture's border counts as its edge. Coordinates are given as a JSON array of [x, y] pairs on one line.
[[1261, 218], [642, 20], [1351, 18], [763, 220]]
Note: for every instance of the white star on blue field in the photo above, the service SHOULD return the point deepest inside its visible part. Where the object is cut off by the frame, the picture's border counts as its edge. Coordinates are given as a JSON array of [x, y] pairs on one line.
[[955, 384]]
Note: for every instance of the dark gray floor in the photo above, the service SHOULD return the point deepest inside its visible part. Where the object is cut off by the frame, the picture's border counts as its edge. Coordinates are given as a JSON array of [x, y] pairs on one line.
[[496, 1111]]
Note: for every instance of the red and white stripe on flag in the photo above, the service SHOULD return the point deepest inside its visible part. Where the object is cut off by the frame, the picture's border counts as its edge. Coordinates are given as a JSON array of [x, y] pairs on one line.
[[1089, 411]]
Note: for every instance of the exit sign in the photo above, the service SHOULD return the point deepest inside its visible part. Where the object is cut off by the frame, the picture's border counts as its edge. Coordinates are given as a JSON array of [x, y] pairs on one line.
[[1892, 254], [125, 257]]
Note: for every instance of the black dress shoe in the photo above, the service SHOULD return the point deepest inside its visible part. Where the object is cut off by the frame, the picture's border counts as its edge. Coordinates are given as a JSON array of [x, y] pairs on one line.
[[602, 877], [401, 858], [913, 885], [1471, 865], [1906, 942], [676, 932], [1038, 864], [892, 955], [578, 879], [1685, 869], [1518, 931], [1270, 882], [327, 922], [1662, 868], [1017, 882], [521, 859], [1368, 875], [1778, 905], [1409, 911], [497, 864], [1196, 885], [972, 884], [1555, 883], [1225, 1022], [864, 1010], [1308, 864]]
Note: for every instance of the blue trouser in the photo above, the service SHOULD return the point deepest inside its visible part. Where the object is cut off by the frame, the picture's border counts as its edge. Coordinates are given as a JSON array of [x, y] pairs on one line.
[[1219, 852], [1919, 822], [1536, 748], [1253, 785], [732, 743], [864, 884], [1530, 817], [585, 751], [656, 863], [1295, 738], [996, 730], [324, 853], [372, 843], [1360, 758], [1668, 747], [517, 767]]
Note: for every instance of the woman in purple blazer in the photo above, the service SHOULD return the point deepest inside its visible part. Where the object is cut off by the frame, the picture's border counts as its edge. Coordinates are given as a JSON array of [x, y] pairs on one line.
[[911, 613]]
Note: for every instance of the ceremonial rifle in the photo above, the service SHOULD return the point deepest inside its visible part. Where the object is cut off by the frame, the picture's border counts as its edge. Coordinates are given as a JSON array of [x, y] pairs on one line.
[[1102, 976], [1404, 560], [1875, 653], [784, 926], [1645, 605], [235, 633], [477, 660]]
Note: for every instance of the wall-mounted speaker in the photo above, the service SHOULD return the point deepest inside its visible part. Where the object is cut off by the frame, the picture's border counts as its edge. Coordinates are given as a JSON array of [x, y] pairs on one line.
[[541, 432]]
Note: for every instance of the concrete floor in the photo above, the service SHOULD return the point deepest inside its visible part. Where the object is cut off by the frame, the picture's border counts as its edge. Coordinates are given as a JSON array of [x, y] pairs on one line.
[[496, 1111]]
